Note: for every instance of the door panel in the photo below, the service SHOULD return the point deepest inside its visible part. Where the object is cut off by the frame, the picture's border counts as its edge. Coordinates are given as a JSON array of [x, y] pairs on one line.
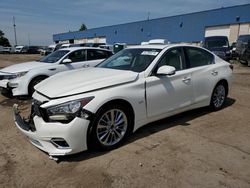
[[204, 79], [168, 93], [204, 72]]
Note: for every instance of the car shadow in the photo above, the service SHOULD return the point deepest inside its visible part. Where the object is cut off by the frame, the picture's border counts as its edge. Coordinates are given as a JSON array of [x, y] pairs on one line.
[[149, 129]]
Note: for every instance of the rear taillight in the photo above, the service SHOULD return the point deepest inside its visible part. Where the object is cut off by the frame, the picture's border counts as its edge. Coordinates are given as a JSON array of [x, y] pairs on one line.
[[231, 67]]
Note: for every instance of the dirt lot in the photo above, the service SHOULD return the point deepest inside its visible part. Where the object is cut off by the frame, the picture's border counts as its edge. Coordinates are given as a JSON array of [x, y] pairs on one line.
[[194, 149]]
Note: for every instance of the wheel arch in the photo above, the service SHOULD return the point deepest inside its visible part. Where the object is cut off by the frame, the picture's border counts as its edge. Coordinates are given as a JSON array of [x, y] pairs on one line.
[[44, 76], [107, 103], [225, 83]]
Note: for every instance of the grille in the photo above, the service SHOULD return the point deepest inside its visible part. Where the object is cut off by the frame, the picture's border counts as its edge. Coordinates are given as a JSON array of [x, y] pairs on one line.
[[36, 108]]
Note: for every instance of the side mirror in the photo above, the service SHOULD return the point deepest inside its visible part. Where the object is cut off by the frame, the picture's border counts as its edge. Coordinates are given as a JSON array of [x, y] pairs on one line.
[[65, 61], [166, 70]]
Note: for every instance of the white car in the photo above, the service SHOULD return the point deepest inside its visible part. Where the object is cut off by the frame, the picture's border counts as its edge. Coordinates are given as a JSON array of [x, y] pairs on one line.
[[18, 49], [20, 79], [136, 86]]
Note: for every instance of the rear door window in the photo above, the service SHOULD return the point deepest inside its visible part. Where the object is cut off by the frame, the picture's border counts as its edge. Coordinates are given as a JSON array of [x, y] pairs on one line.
[[97, 54], [77, 56], [197, 57]]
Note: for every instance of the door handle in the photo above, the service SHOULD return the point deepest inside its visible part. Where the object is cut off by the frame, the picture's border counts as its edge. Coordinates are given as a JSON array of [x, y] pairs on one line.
[[214, 73], [186, 79], [52, 69]]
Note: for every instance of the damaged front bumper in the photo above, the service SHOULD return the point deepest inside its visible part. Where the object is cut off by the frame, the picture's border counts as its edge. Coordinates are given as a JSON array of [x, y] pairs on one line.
[[53, 137]]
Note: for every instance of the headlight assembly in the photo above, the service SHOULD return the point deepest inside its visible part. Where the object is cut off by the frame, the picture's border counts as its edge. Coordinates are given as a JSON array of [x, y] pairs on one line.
[[67, 111], [20, 74], [15, 75]]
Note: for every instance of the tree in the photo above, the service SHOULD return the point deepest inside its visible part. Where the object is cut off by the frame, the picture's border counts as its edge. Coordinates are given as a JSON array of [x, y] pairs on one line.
[[1, 33], [83, 27], [3, 41]]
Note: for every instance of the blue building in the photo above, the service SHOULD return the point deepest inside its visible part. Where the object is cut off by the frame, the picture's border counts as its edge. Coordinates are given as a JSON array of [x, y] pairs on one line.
[[193, 27]]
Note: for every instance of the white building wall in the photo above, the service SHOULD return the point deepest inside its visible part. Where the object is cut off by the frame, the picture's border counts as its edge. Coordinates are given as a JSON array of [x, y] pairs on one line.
[[218, 31]]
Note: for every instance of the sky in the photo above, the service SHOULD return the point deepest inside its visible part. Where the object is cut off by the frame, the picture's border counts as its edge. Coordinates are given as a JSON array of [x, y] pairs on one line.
[[38, 20]]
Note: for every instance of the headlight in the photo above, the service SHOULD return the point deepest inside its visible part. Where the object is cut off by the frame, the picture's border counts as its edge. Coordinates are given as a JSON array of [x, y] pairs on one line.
[[13, 76], [67, 111], [20, 74]]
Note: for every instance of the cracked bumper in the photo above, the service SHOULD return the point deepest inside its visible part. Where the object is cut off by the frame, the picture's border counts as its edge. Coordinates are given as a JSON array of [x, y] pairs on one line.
[[41, 134]]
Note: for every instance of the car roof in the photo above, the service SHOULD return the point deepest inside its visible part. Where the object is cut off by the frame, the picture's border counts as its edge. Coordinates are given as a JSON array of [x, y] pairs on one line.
[[162, 46], [82, 48], [147, 46]]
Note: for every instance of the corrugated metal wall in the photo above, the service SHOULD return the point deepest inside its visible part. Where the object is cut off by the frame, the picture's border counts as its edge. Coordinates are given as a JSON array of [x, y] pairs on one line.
[[182, 28]]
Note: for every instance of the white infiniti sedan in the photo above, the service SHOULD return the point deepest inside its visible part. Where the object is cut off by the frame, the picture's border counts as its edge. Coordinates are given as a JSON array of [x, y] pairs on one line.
[[138, 85], [21, 78]]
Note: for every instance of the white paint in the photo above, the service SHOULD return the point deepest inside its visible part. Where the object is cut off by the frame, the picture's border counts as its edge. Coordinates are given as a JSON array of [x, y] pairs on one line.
[[35, 69], [244, 29], [152, 97]]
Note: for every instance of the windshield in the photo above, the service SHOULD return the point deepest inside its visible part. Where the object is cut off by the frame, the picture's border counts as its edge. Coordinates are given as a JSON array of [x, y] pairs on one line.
[[54, 57], [244, 38], [216, 43], [136, 60]]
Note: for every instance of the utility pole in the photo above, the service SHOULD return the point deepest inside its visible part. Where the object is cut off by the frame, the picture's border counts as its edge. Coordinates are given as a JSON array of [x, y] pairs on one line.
[[148, 15], [14, 25], [29, 38]]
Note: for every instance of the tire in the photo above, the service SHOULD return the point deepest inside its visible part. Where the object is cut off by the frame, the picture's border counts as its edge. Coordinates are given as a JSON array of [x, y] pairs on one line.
[[218, 97], [107, 135], [34, 82]]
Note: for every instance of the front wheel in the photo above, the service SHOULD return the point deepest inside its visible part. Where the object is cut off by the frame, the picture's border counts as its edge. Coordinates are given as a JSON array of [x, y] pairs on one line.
[[218, 97], [111, 126], [34, 82]]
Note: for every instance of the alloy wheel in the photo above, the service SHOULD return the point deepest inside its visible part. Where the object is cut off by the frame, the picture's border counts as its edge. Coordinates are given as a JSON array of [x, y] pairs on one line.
[[219, 96], [112, 127]]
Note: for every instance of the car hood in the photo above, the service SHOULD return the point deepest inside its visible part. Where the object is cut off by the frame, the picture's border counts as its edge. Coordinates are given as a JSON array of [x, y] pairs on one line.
[[83, 80], [22, 67]]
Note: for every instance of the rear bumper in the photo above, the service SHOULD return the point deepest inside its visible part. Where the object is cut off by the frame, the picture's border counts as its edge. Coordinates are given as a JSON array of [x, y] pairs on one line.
[[42, 134]]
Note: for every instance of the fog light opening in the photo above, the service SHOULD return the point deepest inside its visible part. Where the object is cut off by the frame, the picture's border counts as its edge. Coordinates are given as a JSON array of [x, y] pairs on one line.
[[59, 143]]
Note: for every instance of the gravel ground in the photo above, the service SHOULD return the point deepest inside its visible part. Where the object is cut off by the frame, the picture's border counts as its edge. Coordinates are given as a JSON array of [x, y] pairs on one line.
[[198, 148]]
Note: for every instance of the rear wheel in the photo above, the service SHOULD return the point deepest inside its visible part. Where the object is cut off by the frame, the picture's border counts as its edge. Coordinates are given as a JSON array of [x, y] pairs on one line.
[[111, 126], [219, 96]]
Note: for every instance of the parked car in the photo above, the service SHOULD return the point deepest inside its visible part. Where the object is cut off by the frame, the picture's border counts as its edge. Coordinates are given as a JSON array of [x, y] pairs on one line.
[[243, 49], [8, 50], [46, 50], [107, 46], [30, 50], [49, 49], [218, 45], [68, 45], [20, 79], [136, 86], [233, 50], [1, 49], [18, 49]]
